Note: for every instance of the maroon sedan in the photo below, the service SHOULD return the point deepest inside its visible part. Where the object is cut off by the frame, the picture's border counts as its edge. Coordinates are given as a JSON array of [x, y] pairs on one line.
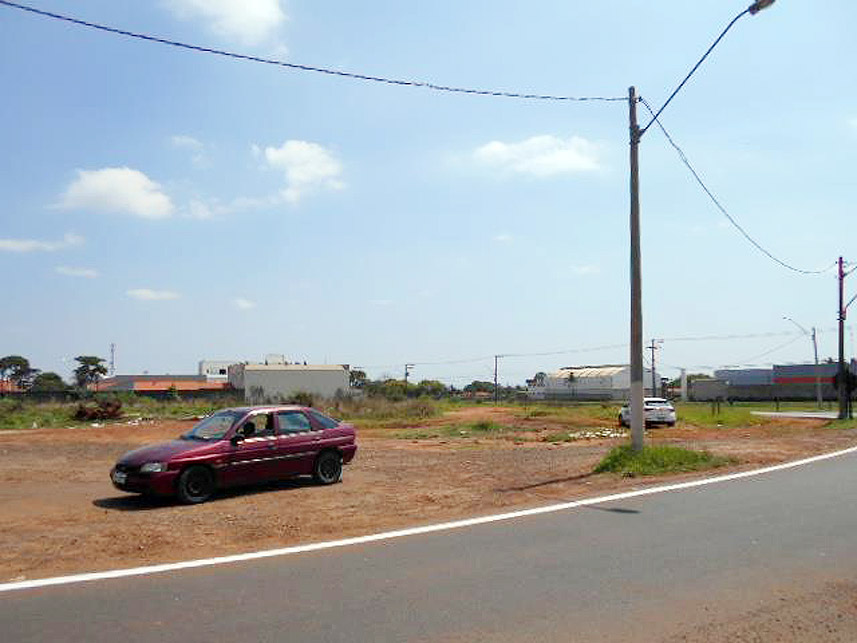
[[236, 447]]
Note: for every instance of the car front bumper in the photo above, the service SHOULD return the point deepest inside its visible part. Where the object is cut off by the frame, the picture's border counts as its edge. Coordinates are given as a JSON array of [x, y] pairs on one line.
[[162, 484]]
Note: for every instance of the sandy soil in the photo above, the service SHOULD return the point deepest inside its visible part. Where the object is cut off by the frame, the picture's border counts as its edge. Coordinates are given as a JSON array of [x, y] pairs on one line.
[[59, 514]]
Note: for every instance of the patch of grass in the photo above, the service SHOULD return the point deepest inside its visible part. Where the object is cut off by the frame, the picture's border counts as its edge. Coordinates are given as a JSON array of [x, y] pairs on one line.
[[658, 460], [477, 429], [379, 412]]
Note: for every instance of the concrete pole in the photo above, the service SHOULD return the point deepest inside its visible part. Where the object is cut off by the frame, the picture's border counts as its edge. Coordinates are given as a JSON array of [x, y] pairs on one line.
[[636, 401], [817, 371], [683, 385], [843, 388]]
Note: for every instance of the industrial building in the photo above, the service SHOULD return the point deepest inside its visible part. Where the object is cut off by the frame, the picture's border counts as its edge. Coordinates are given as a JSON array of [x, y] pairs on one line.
[[157, 383], [280, 381], [605, 382], [783, 381]]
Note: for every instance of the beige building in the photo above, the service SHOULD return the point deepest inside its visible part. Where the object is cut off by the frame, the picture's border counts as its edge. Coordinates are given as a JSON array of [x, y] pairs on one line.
[[276, 382]]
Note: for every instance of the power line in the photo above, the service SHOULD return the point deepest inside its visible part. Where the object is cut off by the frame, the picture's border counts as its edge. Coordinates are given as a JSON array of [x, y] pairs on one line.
[[720, 206], [295, 66]]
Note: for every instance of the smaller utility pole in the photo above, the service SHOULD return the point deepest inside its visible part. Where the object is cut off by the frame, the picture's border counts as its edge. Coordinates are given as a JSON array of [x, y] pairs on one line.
[[653, 347], [843, 387], [817, 371], [496, 384], [112, 360]]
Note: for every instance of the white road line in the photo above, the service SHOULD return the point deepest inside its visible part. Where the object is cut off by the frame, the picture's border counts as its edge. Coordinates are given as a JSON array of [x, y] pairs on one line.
[[401, 533]]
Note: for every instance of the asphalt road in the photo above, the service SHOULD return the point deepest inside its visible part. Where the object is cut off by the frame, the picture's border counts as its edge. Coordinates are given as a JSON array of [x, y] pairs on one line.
[[633, 570]]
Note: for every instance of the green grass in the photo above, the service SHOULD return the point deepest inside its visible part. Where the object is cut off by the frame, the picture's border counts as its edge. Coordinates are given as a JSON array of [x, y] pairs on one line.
[[481, 428], [19, 414], [658, 460]]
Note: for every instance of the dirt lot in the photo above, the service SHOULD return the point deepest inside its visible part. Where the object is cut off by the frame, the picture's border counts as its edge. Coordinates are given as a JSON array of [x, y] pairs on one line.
[[59, 513]]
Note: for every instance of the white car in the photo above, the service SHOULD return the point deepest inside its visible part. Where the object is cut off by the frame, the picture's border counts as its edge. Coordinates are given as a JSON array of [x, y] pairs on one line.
[[656, 410]]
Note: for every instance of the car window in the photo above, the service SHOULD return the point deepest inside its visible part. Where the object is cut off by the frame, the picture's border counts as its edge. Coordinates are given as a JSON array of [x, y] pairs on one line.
[[293, 422], [323, 420], [213, 427], [263, 425]]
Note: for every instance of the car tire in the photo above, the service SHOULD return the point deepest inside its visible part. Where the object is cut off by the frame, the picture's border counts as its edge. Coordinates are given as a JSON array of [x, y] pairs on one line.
[[328, 468], [195, 485]]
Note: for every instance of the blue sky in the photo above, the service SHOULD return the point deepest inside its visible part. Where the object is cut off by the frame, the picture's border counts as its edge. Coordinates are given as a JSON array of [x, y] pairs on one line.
[[187, 206]]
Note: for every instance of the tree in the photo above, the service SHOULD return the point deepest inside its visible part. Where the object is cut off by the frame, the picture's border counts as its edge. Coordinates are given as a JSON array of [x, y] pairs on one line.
[[90, 370], [48, 383], [432, 388], [357, 378], [15, 368]]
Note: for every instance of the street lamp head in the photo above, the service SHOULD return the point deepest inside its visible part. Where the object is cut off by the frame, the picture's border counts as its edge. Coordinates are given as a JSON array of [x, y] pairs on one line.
[[757, 6]]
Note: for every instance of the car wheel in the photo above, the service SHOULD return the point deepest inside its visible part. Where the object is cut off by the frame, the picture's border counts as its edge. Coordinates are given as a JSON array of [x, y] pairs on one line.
[[195, 485], [328, 468]]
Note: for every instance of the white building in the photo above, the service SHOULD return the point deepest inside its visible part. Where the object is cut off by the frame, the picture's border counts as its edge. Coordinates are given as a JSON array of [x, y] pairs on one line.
[[216, 370], [277, 382], [607, 382]]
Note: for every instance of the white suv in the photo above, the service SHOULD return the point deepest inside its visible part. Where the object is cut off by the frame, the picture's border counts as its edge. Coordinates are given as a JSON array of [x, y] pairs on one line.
[[656, 410]]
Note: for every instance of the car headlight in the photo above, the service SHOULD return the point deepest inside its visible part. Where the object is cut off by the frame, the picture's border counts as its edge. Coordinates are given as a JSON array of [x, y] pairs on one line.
[[153, 467]]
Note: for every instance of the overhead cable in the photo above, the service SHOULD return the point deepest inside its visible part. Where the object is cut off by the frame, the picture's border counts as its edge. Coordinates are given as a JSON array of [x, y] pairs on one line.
[[722, 209], [295, 66]]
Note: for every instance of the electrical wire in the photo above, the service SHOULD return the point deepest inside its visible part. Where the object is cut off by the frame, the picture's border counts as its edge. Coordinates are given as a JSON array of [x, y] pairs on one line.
[[722, 209], [295, 66]]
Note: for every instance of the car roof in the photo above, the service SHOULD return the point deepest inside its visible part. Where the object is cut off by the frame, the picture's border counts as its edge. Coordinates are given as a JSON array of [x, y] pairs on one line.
[[269, 407]]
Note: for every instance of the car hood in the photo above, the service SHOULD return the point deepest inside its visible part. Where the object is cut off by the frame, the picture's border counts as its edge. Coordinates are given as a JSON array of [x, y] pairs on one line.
[[163, 452]]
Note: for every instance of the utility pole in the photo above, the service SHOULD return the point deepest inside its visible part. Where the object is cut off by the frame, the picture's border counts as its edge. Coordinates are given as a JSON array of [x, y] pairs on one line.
[[843, 385], [496, 390], [817, 370], [636, 390], [812, 335], [636, 401], [112, 359], [653, 348]]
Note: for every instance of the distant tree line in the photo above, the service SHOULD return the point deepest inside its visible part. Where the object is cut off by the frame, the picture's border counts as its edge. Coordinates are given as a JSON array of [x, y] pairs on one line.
[[18, 371], [397, 390]]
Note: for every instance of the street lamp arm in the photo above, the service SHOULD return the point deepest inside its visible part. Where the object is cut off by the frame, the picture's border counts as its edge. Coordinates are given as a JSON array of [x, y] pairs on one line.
[[752, 10]]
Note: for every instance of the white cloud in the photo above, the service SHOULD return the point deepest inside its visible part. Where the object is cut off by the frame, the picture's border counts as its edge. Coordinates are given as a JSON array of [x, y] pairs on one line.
[[243, 304], [503, 237], [853, 124], [197, 149], [586, 269], [184, 142], [541, 156], [308, 166], [35, 245], [117, 190], [197, 209], [87, 273], [248, 22], [145, 294]]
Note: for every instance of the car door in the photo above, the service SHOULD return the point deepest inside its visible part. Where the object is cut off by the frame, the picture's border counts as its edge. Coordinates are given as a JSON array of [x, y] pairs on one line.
[[297, 443], [253, 459]]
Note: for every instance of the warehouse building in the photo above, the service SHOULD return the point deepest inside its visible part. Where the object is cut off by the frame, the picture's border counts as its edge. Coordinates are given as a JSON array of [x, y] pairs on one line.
[[277, 382], [605, 382]]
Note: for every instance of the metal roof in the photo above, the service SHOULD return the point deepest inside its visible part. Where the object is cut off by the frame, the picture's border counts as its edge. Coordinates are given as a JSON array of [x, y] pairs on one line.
[[581, 372]]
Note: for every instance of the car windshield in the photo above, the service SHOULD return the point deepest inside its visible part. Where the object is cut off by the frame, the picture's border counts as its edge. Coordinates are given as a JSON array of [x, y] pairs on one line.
[[657, 403], [213, 427]]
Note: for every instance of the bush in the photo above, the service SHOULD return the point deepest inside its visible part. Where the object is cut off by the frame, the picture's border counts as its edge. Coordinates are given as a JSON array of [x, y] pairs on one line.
[[302, 398]]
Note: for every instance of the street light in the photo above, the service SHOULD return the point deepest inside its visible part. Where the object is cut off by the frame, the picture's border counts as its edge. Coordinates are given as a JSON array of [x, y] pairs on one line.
[[636, 133], [815, 353]]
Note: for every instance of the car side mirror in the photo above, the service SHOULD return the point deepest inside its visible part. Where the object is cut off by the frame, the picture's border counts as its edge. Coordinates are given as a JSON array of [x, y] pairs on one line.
[[236, 439]]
